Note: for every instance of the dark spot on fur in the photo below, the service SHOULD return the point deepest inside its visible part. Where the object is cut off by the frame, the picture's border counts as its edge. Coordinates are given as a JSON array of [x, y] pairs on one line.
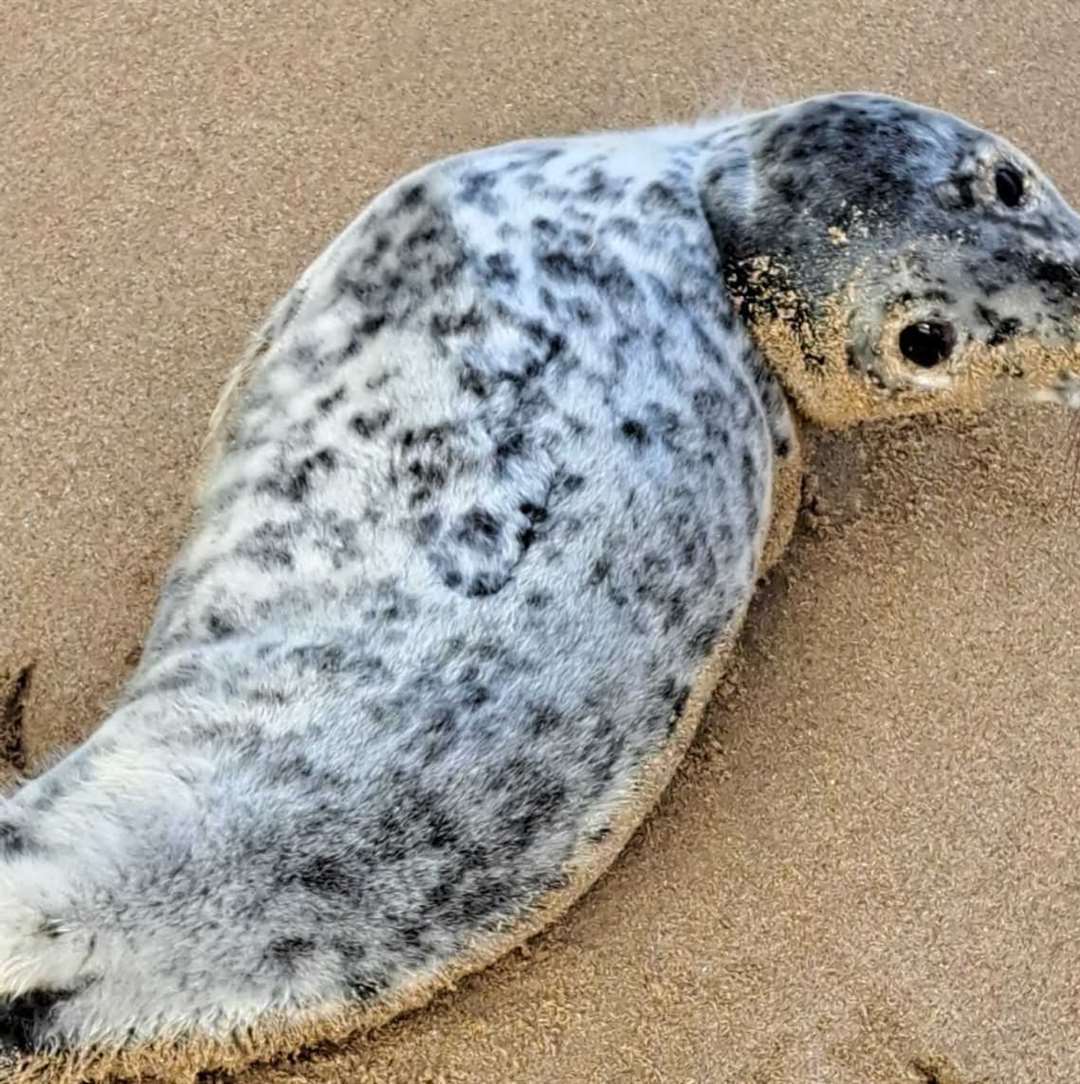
[[479, 528], [364, 989], [703, 638], [634, 432], [444, 324], [326, 875], [598, 186], [411, 197], [623, 226], [500, 268], [378, 250], [424, 235], [328, 402], [367, 425], [534, 512], [285, 950], [426, 473], [476, 696], [509, 447], [322, 658], [476, 188], [659, 197], [485, 584], [1002, 328], [219, 626], [681, 697], [544, 719], [372, 324], [471, 380], [427, 527], [296, 484], [12, 840], [676, 695]]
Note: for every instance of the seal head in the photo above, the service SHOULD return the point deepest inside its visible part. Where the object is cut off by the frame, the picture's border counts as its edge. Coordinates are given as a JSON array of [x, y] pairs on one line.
[[892, 259]]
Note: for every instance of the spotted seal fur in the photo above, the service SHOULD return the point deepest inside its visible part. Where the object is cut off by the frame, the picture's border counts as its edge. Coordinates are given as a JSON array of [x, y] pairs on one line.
[[484, 508]]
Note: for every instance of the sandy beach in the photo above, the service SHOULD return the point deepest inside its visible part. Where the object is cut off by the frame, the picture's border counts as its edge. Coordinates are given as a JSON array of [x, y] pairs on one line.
[[868, 870]]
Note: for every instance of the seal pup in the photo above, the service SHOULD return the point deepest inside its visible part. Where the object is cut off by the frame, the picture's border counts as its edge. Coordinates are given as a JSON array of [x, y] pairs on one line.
[[483, 509]]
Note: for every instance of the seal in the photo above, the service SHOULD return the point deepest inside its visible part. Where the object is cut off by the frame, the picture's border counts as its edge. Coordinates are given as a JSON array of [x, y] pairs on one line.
[[483, 509]]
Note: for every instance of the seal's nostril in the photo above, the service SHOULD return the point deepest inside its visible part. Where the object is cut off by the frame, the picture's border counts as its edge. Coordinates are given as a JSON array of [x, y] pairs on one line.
[[927, 343], [1009, 182], [21, 1018]]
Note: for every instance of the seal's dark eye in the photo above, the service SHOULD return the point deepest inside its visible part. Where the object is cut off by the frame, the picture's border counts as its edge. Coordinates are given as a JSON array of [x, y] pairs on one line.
[[927, 343], [1009, 183]]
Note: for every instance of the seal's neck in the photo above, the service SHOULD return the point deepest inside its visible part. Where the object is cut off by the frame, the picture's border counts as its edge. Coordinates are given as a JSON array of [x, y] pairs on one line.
[[727, 185], [771, 283], [727, 181]]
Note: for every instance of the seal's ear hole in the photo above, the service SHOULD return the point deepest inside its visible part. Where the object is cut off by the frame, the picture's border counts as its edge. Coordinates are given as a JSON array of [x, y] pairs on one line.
[[927, 343], [1009, 182]]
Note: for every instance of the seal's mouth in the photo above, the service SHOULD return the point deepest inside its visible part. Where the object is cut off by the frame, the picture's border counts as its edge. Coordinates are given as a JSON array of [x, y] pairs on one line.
[[927, 343]]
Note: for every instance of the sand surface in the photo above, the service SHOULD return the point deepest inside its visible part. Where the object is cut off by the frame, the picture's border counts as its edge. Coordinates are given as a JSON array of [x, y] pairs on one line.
[[869, 869]]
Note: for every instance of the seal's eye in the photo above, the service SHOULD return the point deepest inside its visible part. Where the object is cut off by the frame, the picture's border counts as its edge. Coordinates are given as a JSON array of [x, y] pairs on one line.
[[927, 343], [1009, 183]]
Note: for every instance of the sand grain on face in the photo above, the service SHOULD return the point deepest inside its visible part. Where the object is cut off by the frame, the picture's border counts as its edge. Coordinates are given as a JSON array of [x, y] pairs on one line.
[[808, 348], [867, 870]]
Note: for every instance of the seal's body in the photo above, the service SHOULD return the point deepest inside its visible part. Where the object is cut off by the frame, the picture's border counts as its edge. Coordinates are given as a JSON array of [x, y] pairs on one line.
[[484, 509]]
